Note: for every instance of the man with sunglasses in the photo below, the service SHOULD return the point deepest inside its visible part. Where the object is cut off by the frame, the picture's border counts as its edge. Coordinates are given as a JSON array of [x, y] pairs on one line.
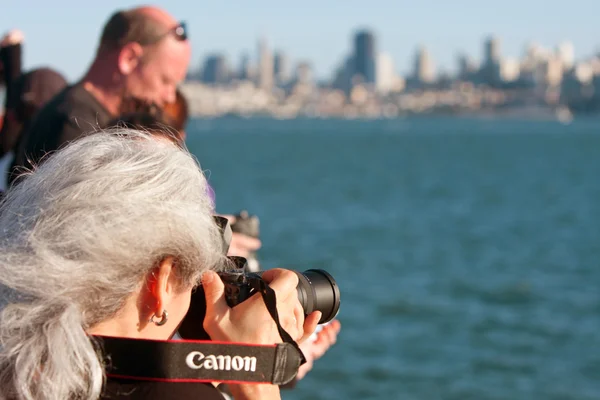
[[143, 55]]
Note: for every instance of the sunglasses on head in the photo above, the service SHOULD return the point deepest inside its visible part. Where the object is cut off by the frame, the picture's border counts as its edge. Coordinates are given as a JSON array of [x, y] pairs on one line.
[[179, 32]]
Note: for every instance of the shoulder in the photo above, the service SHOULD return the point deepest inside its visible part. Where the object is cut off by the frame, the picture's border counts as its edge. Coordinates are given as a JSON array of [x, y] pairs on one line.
[[67, 116], [81, 109]]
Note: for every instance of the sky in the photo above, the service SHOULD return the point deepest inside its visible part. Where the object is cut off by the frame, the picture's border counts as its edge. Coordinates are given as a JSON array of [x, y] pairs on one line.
[[63, 34]]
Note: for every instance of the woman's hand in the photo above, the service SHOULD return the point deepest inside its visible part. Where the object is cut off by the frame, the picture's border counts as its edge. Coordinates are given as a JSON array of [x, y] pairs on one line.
[[250, 322]]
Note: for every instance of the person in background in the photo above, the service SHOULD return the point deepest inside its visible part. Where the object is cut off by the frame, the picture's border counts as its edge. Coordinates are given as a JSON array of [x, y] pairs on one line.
[[143, 54], [172, 116], [26, 94], [151, 119], [177, 113]]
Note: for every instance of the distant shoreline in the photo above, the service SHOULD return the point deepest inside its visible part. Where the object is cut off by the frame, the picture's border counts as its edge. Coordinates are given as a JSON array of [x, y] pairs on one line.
[[491, 116]]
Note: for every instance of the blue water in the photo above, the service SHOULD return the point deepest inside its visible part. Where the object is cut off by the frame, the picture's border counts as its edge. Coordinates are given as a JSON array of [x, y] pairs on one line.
[[467, 251]]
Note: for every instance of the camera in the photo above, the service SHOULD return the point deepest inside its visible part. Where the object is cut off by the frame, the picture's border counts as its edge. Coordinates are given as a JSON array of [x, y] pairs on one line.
[[317, 291], [247, 224]]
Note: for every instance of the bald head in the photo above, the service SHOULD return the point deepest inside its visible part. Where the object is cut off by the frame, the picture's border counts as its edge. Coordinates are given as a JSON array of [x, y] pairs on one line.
[[157, 14], [144, 25]]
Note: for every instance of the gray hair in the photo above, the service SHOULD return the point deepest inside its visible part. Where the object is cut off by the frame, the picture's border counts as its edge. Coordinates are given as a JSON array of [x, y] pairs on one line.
[[77, 238]]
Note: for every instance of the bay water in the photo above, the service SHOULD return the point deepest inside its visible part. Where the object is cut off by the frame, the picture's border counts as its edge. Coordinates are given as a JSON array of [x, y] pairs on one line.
[[467, 250]]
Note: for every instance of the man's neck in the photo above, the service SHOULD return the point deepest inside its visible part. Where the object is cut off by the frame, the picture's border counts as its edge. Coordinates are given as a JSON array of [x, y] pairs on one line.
[[99, 82]]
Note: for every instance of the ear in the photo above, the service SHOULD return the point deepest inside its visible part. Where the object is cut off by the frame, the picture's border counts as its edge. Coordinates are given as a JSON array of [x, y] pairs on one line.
[[163, 285], [130, 57]]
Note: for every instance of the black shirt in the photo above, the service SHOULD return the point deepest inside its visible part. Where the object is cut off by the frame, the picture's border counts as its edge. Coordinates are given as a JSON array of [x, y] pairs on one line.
[[69, 115], [119, 389]]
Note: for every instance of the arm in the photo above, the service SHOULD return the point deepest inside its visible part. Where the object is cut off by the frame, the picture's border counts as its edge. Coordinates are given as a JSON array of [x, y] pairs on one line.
[[250, 322], [252, 392], [315, 349], [10, 51], [10, 57]]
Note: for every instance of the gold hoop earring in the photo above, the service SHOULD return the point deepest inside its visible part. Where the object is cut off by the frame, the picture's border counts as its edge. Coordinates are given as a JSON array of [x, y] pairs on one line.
[[163, 319]]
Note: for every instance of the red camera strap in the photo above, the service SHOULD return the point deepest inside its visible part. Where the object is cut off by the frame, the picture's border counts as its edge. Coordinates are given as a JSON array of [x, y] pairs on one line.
[[199, 361]]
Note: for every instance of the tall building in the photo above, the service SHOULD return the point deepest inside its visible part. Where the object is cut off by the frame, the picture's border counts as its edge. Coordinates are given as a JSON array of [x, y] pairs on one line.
[[466, 67], [491, 70], [304, 73], [265, 66], [492, 50], [281, 68], [365, 56], [343, 76], [509, 70], [551, 72], [424, 67], [246, 72], [215, 69], [566, 53], [385, 73]]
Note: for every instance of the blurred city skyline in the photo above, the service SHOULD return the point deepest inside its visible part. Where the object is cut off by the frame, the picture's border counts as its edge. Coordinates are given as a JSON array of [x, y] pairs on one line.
[[376, 65], [543, 81], [64, 35]]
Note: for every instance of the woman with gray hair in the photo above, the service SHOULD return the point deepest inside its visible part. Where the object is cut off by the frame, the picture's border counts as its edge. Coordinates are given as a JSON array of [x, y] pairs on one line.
[[108, 237]]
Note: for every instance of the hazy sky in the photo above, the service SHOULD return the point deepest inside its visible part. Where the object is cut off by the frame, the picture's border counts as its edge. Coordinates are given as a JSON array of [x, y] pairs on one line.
[[64, 33]]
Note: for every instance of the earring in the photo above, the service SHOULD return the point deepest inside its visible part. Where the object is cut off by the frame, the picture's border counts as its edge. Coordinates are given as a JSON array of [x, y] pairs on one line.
[[163, 319]]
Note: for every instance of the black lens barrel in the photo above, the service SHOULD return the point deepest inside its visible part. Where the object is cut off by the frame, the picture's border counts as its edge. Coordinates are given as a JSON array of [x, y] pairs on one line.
[[318, 291]]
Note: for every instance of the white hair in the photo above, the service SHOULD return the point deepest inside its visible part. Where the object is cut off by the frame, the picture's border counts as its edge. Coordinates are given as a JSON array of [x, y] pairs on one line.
[[77, 237]]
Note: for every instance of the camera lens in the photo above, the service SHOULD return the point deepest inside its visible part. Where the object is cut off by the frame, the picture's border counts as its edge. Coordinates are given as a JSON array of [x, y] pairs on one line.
[[318, 291]]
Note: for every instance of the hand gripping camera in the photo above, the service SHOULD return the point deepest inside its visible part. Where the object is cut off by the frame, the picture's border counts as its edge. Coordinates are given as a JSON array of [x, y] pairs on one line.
[[317, 291]]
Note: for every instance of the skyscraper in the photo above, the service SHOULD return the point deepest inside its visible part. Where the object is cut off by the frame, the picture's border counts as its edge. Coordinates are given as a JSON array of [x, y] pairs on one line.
[[491, 73], [304, 73], [265, 66], [245, 72], [215, 69], [492, 50], [566, 53], [365, 56], [386, 75], [466, 67], [281, 68], [343, 75], [424, 67]]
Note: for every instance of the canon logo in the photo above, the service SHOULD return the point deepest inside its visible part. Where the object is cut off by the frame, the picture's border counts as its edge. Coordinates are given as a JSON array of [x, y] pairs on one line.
[[197, 360]]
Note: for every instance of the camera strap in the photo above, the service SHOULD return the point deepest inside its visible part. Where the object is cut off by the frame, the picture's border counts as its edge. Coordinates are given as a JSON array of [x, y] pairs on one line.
[[199, 361], [270, 299]]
